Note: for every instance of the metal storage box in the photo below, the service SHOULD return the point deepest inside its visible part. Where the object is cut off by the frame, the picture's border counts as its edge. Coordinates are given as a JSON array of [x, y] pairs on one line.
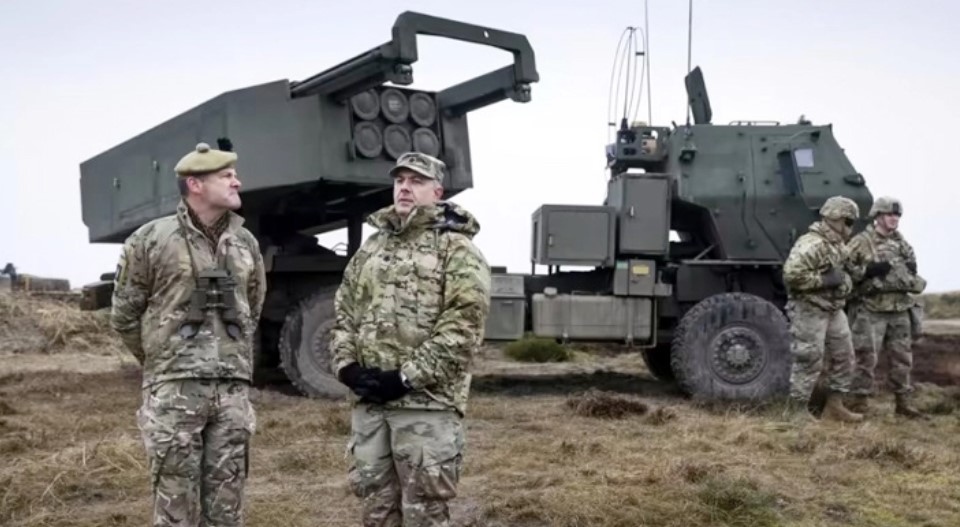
[[581, 235], [642, 202], [507, 308]]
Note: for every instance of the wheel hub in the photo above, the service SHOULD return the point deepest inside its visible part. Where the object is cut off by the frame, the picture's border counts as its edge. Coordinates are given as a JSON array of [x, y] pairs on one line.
[[737, 354]]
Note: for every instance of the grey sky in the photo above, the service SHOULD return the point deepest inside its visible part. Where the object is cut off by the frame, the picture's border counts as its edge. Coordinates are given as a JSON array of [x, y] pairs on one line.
[[80, 77]]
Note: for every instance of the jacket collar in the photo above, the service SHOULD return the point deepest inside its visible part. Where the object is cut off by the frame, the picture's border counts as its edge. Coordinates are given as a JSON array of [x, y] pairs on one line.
[[183, 216]]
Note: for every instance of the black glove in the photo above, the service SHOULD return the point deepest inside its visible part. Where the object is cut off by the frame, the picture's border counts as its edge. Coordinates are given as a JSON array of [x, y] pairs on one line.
[[832, 278], [390, 386], [912, 267], [877, 269], [363, 381]]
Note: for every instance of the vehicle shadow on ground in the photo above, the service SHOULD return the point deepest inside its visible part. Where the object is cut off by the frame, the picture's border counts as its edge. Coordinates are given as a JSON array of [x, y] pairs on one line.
[[526, 385], [519, 384]]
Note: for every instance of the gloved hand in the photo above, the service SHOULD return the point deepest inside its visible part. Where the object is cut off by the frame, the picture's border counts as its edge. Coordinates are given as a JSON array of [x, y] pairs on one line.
[[912, 267], [362, 381], [832, 278], [877, 269], [390, 386]]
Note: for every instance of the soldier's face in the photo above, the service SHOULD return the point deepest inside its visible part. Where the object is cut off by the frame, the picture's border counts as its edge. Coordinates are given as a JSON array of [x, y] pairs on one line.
[[220, 189], [411, 189], [889, 222], [843, 226]]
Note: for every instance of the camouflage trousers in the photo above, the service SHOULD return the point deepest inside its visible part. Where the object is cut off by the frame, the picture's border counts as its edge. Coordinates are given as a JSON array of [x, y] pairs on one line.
[[876, 332], [818, 339], [196, 434], [406, 465]]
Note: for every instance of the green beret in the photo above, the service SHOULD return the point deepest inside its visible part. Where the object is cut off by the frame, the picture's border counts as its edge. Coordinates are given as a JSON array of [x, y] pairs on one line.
[[204, 160]]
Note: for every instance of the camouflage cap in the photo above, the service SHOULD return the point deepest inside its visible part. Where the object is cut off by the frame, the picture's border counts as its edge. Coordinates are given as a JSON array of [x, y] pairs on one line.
[[886, 205], [204, 159], [839, 207], [421, 163]]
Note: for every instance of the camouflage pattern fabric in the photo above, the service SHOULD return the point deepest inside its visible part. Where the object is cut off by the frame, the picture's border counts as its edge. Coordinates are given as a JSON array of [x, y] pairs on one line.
[[816, 336], [415, 297], [838, 208], [887, 332], [152, 294], [423, 164], [890, 293], [815, 253], [196, 434], [406, 464]]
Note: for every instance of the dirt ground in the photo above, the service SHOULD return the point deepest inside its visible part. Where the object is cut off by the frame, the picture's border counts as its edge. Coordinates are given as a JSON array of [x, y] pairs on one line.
[[594, 442]]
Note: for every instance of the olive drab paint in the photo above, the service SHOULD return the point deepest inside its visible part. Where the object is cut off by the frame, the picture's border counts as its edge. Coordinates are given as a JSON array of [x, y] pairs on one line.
[[314, 155]]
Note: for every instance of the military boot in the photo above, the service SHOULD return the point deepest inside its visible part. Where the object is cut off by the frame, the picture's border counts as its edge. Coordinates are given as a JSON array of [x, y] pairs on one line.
[[858, 404], [798, 410], [836, 411], [905, 409]]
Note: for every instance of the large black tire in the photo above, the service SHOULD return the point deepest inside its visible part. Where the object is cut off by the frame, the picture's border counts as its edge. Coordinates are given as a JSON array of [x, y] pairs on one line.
[[734, 347], [658, 362], [304, 347]]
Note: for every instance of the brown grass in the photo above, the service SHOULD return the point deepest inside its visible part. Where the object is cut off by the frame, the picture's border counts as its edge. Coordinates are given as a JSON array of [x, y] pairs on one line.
[[596, 403], [942, 305], [30, 324], [561, 449]]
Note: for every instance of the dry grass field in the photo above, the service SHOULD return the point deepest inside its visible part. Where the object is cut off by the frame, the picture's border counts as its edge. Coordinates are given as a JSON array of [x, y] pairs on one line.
[[592, 442]]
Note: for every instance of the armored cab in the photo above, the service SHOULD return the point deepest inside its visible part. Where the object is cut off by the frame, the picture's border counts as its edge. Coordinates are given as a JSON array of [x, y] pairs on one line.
[[684, 257], [314, 156]]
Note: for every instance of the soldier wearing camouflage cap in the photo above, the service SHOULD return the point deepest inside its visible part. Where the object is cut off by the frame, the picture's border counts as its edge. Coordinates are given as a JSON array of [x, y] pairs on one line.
[[817, 288], [410, 316], [192, 331], [884, 270]]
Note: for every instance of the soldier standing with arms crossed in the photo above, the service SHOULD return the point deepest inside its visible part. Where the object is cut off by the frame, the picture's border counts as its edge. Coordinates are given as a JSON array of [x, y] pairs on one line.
[[410, 315], [884, 270], [817, 287], [189, 291]]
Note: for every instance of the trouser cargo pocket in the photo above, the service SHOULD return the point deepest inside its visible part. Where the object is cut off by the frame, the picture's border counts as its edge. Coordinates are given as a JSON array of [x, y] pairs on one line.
[[438, 480]]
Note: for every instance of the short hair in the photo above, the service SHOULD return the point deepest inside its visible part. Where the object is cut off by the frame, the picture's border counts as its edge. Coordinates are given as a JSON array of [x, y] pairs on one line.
[[182, 182]]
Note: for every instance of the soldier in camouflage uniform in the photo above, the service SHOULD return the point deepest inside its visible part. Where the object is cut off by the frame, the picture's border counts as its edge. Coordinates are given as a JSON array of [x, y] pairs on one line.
[[884, 271], [189, 292], [410, 316], [818, 286]]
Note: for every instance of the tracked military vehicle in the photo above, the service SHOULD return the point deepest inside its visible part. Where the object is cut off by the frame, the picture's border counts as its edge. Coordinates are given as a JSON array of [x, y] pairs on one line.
[[682, 259]]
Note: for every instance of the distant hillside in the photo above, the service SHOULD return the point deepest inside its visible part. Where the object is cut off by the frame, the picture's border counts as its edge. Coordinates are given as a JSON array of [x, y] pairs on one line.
[[942, 305]]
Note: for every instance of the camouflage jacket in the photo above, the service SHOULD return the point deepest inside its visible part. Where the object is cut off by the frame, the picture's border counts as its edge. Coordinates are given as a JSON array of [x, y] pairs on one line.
[[154, 282], [415, 297], [815, 253], [891, 293]]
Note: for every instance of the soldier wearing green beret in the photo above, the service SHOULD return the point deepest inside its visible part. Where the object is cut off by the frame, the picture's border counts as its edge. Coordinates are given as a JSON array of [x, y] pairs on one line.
[[189, 290]]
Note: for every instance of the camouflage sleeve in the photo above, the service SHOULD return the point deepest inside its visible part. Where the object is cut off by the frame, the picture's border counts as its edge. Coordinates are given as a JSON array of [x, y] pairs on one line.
[[917, 283], [132, 286], [343, 336], [257, 288], [858, 254], [802, 270], [459, 328], [906, 250]]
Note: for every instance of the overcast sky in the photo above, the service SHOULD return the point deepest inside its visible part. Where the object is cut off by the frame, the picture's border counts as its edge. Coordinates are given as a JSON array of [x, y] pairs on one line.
[[81, 77]]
